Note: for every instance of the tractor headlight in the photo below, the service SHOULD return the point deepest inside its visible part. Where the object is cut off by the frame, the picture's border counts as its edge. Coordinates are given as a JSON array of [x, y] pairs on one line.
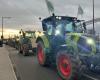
[[57, 32], [90, 41]]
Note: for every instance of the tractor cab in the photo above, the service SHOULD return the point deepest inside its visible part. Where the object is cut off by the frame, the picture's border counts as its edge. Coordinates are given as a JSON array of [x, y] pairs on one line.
[[29, 34], [63, 24], [62, 30]]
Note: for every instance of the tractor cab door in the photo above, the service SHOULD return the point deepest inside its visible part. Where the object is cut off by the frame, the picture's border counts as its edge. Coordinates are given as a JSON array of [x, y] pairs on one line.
[[50, 32], [55, 36]]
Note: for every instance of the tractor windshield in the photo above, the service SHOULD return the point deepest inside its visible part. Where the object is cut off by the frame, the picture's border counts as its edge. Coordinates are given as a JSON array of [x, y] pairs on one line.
[[29, 35], [74, 27], [71, 26]]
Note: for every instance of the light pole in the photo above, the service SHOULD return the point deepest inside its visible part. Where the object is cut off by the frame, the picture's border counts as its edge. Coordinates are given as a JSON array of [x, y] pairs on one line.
[[93, 19], [2, 29], [2, 26]]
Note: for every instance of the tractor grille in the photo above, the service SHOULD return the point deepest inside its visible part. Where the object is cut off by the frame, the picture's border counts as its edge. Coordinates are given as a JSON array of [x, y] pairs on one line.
[[83, 46]]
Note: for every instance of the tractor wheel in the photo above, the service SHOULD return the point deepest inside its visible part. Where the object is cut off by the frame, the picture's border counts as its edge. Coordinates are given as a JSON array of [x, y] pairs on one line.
[[25, 50], [19, 49], [41, 55], [67, 69], [25, 53]]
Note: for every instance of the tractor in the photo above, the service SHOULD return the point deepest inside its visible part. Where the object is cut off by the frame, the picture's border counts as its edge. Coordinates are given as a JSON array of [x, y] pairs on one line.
[[67, 45], [33, 40], [16, 42], [25, 45]]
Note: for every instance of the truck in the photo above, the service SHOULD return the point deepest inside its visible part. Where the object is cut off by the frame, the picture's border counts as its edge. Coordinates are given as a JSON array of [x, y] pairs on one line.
[[67, 45]]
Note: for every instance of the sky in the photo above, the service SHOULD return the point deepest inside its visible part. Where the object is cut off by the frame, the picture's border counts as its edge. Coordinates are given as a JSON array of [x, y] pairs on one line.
[[25, 13]]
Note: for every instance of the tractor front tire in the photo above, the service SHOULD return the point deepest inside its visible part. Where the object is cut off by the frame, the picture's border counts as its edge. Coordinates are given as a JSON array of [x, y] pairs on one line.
[[19, 49], [41, 54], [67, 69]]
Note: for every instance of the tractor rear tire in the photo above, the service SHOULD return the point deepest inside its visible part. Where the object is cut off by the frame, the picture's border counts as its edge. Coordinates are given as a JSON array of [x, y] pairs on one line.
[[67, 69], [25, 50], [25, 53], [41, 54], [19, 49]]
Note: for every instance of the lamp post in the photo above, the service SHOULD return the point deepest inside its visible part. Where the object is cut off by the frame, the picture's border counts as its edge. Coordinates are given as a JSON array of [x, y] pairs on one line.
[[2, 29], [2, 26], [93, 19]]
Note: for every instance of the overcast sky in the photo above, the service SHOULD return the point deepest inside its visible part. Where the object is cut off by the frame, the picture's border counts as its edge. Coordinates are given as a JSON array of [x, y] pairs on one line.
[[25, 13]]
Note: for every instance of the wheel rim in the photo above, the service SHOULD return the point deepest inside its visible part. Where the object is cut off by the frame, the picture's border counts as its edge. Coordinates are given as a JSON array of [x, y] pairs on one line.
[[40, 54], [64, 66]]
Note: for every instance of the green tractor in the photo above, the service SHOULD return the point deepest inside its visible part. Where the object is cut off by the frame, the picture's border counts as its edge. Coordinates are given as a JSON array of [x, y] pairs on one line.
[[67, 45], [25, 45]]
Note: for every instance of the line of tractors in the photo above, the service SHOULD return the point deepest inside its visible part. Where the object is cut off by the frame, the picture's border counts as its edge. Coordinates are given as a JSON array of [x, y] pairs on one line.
[[64, 42]]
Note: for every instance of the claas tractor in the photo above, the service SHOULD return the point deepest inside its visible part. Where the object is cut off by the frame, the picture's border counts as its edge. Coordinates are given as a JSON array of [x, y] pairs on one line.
[[67, 45], [25, 45]]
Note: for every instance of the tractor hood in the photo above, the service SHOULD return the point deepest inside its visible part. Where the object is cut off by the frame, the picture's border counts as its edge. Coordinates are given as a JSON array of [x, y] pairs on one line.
[[88, 45], [84, 43]]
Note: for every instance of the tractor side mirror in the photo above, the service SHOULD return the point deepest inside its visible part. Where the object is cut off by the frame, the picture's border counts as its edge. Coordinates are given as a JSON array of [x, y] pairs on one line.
[[44, 26], [84, 25]]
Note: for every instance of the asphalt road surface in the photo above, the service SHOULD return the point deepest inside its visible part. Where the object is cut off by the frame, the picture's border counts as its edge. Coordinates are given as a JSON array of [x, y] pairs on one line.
[[27, 67]]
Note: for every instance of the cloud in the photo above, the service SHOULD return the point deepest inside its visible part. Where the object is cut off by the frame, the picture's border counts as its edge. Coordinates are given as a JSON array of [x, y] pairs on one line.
[[26, 12]]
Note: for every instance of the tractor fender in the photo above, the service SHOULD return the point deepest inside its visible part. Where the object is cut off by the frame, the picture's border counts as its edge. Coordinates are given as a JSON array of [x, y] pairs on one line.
[[70, 50], [61, 48], [45, 41]]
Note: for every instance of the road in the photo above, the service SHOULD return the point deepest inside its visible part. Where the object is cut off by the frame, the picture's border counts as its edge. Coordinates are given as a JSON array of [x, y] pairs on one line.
[[27, 67]]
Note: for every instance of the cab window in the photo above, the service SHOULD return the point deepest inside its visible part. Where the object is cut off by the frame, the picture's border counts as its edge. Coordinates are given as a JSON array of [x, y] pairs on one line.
[[49, 28], [69, 27]]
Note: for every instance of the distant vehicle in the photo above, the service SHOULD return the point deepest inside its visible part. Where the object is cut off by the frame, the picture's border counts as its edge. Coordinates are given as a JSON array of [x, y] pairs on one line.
[[4, 41], [11, 42], [1, 43], [66, 44], [25, 45]]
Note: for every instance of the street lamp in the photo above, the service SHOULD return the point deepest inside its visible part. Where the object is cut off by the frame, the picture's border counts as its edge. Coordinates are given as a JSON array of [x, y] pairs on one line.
[[2, 25], [93, 19]]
